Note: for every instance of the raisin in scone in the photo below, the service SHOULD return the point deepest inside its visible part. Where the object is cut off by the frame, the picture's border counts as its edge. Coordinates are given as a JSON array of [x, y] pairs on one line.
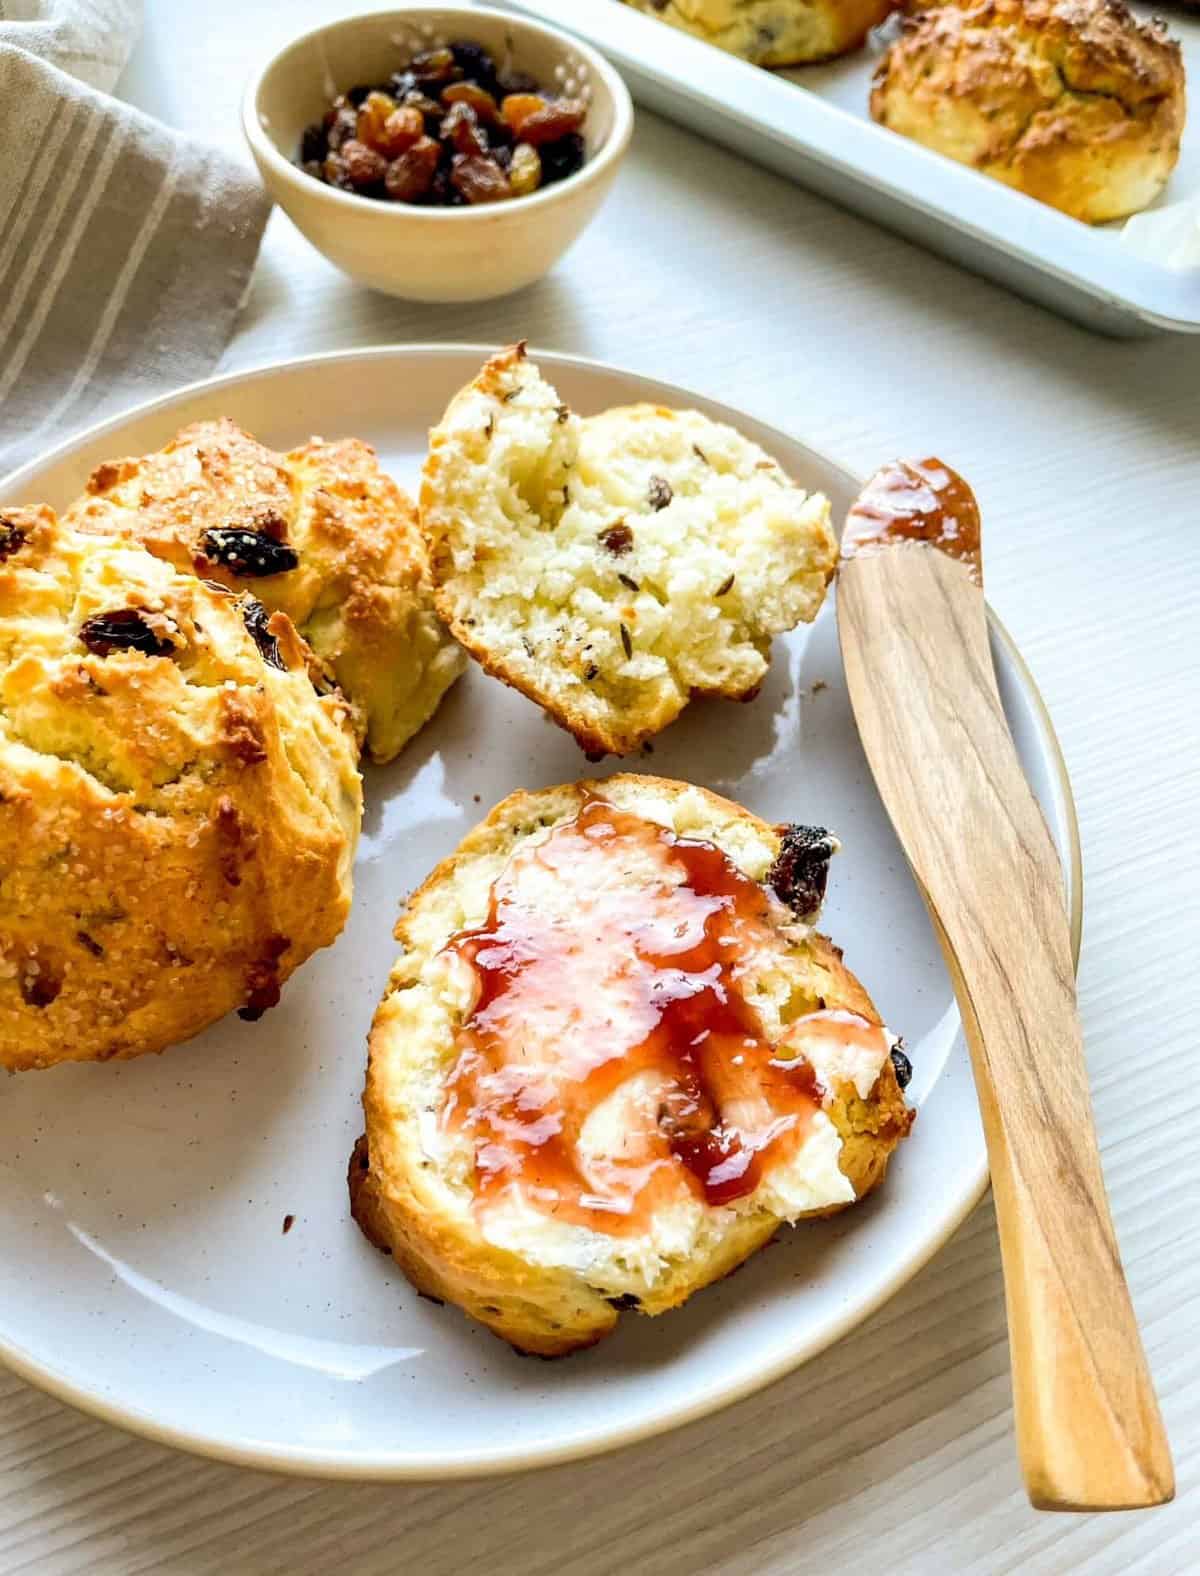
[[774, 32], [613, 1058], [179, 805], [321, 534], [612, 566]]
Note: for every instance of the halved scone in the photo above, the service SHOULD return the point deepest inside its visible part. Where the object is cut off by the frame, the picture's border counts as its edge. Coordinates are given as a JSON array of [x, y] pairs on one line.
[[613, 1058], [321, 534], [612, 566]]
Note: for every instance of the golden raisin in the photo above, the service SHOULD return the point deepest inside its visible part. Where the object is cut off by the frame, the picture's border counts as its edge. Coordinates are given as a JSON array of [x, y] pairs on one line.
[[518, 107], [479, 179], [481, 101], [525, 171], [372, 117], [410, 176], [401, 129], [554, 121]]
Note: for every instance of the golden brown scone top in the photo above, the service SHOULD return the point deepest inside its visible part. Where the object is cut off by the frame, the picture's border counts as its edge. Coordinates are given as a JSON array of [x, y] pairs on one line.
[[773, 32], [1074, 102], [178, 804], [320, 533]]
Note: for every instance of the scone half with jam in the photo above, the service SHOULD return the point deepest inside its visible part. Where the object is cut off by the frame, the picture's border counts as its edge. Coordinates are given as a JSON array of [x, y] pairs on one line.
[[321, 533], [613, 1058], [610, 567]]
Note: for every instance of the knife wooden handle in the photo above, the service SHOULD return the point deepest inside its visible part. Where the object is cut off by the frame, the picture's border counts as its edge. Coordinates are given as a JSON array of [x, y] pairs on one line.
[[914, 640]]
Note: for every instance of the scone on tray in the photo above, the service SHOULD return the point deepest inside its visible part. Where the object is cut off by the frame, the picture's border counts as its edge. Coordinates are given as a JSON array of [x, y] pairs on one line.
[[774, 32], [1075, 102], [179, 801], [613, 1058], [612, 566], [321, 534]]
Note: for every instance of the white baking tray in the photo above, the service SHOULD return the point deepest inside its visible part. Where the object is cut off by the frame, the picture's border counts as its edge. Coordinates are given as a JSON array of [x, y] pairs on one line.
[[813, 125]]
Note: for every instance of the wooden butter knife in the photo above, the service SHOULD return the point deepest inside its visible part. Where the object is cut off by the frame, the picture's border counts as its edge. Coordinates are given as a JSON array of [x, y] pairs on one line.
[[914, 641]]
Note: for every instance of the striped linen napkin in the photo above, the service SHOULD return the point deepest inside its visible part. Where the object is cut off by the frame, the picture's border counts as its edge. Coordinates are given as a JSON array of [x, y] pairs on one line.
[[125, 248]]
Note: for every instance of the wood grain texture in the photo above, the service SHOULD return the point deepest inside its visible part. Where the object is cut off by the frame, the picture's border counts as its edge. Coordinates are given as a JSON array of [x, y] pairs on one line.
[[914, 640], [894, 1449]]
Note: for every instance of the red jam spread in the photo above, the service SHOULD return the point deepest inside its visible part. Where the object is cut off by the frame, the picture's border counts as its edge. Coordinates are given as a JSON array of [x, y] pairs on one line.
[[611, 965], [917, 501]]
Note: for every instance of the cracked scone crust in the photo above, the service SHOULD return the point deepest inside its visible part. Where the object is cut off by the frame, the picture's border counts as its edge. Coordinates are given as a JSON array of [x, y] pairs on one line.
[[178, 814], [774, 32], [1074, 102], [339, 553], [546, 1284], [610, 567]]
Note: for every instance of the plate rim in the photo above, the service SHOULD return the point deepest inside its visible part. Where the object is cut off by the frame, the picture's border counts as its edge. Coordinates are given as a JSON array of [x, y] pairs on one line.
[[311, 1462]]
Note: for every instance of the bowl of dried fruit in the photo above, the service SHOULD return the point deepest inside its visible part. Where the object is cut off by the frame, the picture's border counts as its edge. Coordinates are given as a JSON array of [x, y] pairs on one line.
[[440, 153]]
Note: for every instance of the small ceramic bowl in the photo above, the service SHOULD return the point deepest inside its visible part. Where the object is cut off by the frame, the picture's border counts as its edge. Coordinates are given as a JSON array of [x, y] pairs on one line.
[[433, 254]]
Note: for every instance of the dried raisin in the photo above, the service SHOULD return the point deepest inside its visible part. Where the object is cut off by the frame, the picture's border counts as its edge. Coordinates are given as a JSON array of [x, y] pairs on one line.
[[617, 538], [474, 61], [478, 179], [902, 1067], [364, 167], [11, 537], [553, 122], [372, 118], [403, 127], [462, 131], [487, 111], [410, 176], [435, 67], [524, 170], [250, 554], [562, 158], [255, 617], [801, 868], [124, 629], [659, 493]]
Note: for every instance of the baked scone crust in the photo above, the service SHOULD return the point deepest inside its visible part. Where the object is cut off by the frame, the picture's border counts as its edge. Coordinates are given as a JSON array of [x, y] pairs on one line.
[[612, 566], [359, 592], [176, 830], [774, 32], [402, 1201], [1073, 102]]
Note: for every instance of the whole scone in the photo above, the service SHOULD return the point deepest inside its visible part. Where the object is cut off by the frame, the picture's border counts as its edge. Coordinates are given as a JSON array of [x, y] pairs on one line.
[[613, 1058], [612, 566], [774, 32], [179, 804], [321, 534], [1074, 102]]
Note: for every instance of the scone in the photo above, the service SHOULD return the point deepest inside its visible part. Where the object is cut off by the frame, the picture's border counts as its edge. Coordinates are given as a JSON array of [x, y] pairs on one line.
[[1074, 102], [321, 534], [774, 32], [613, 1058], [178, 803], [612, 566]]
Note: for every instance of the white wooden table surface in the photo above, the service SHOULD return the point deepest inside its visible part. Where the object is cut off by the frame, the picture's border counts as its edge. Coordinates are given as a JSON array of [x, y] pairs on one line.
[[894, 1449]]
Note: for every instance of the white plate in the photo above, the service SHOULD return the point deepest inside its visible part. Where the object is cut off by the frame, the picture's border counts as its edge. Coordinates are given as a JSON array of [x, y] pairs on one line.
[[147, 1277]]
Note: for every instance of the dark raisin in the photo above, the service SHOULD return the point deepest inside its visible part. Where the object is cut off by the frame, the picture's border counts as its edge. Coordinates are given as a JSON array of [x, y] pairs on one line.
[[617, 538], [250, 554], [902, 1066], [629, 581], [359, 94], [625, 1303], [314, 144], [124, 629], [410, 176], [89, 943], [627, 640], [479, 179], [801, 868], [364, 166], [561, 158], [590, 672], [11, 537], [475, 62], [39, 986], [255, 616], [659, 493], [726, 586]]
